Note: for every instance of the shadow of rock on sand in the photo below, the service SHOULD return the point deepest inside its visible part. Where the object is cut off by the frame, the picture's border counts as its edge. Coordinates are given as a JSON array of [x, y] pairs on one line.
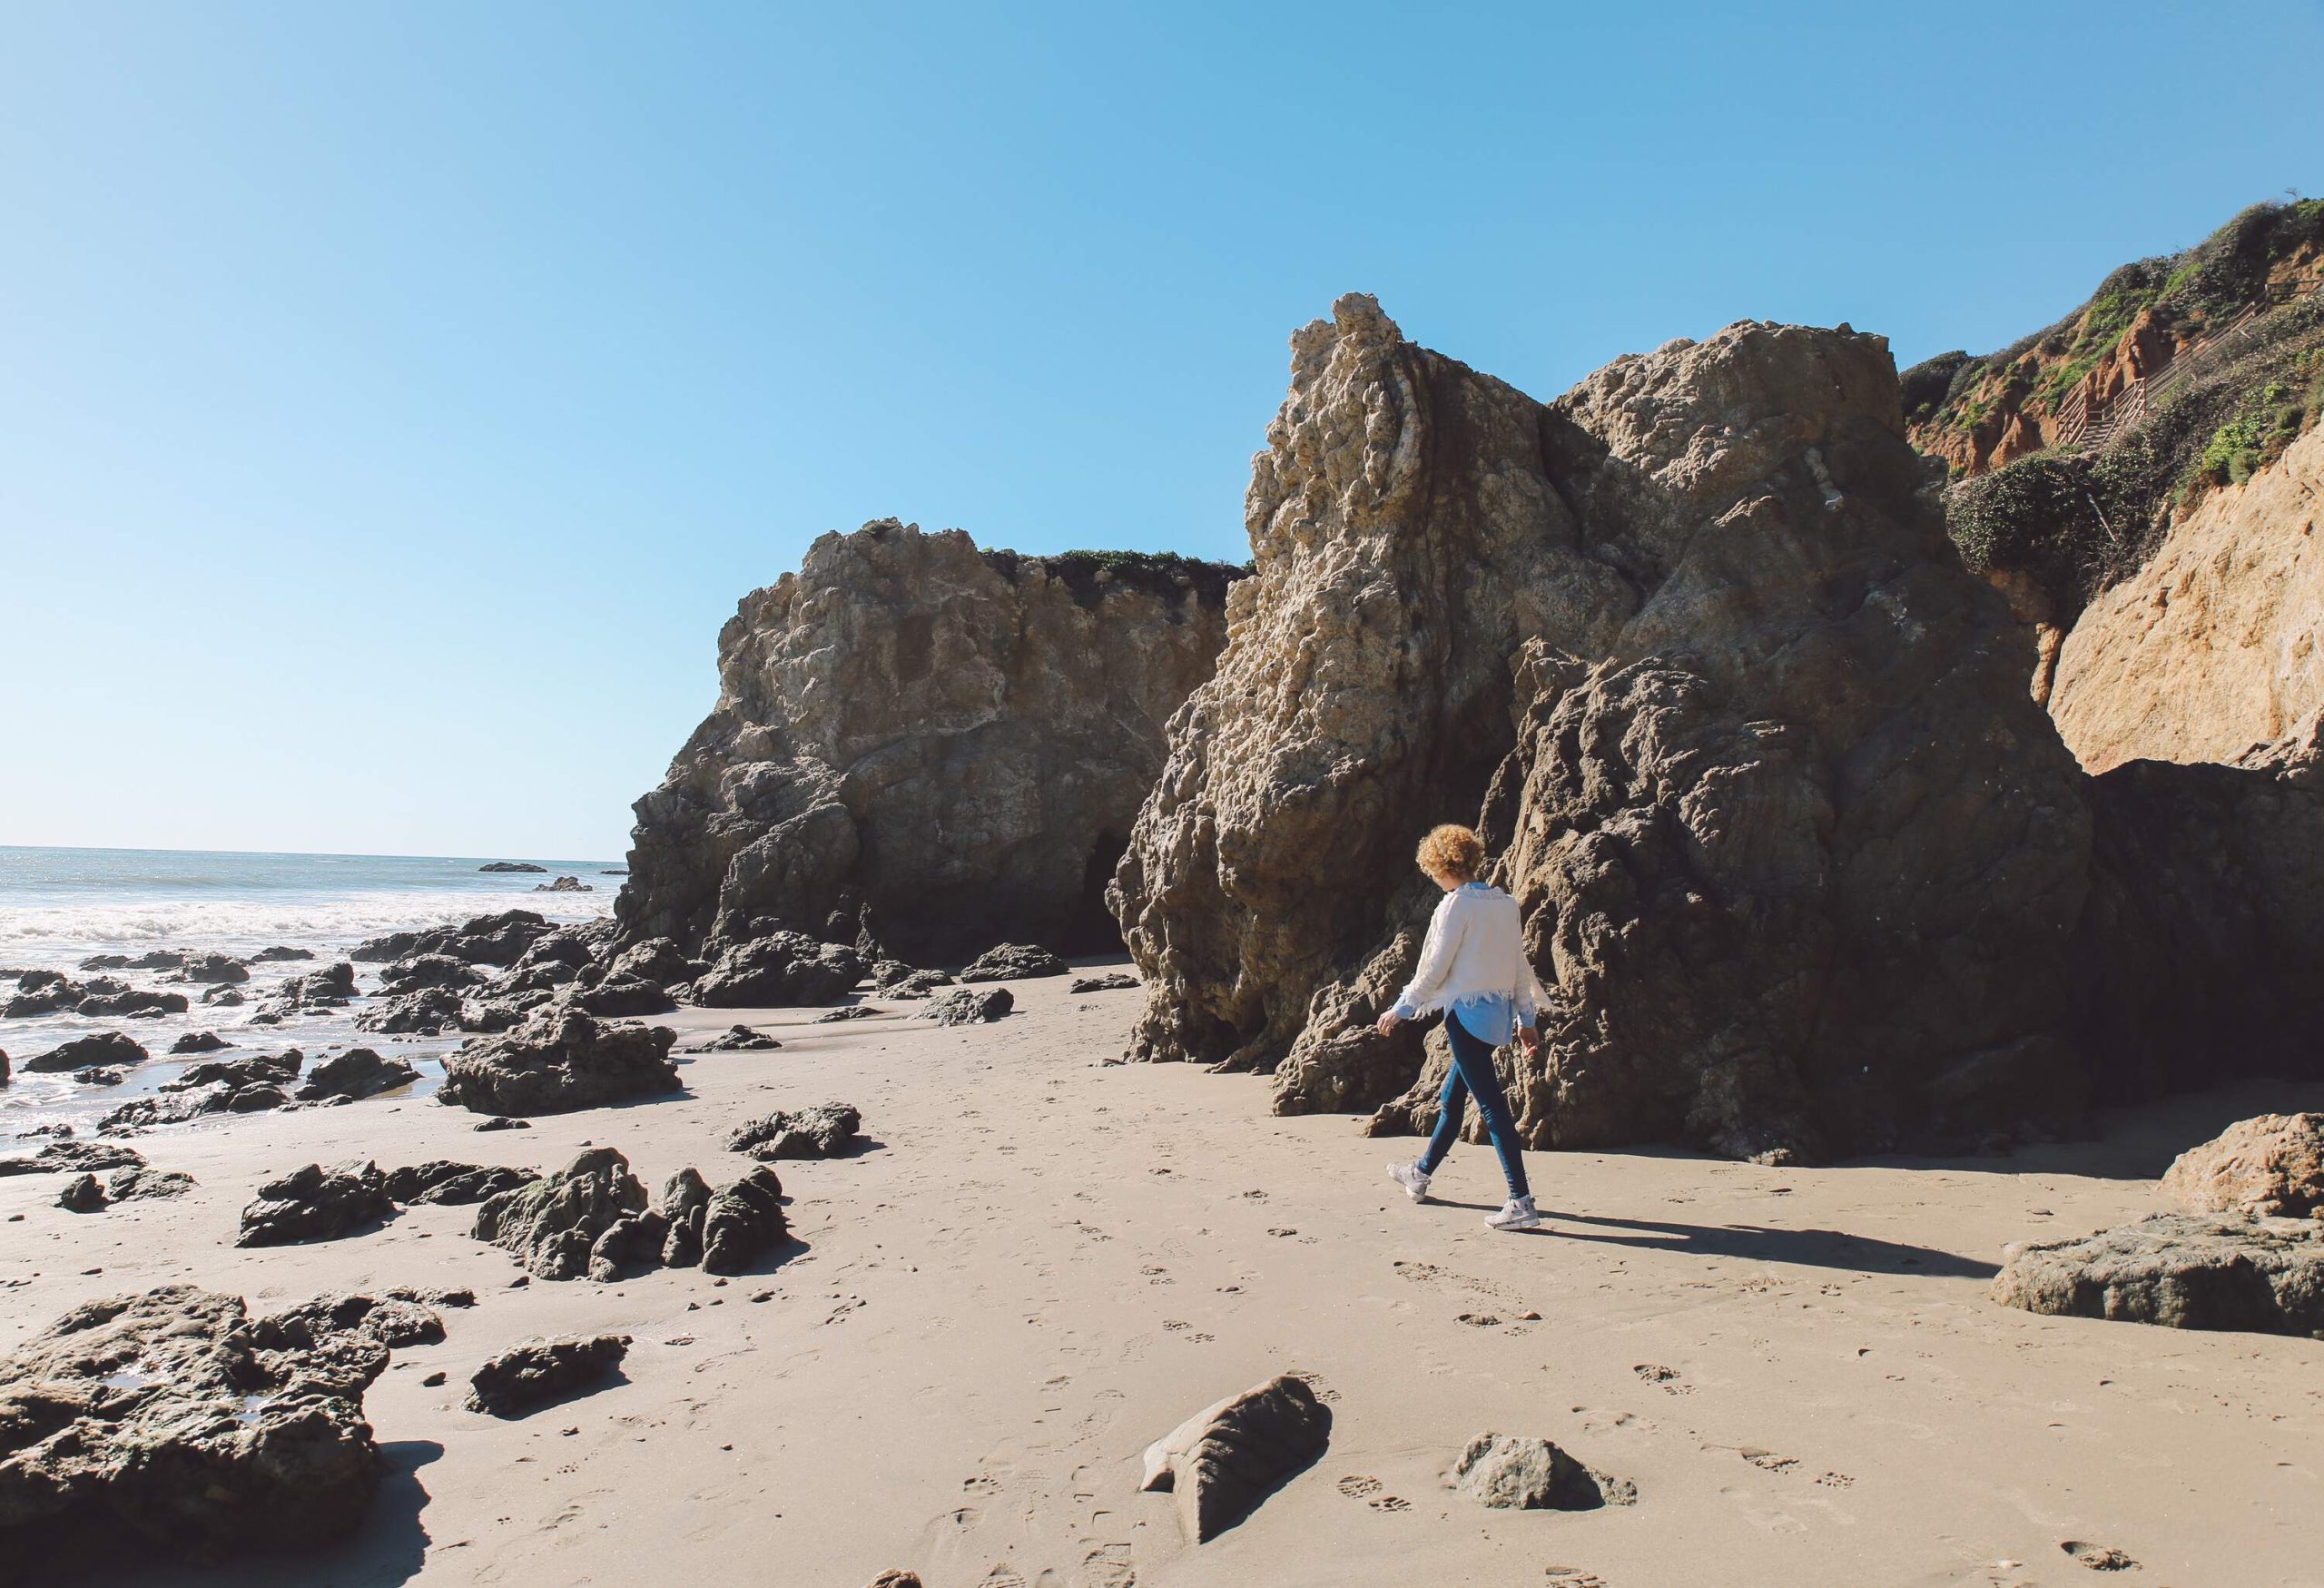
[[1814, 1248], [387, 1549]]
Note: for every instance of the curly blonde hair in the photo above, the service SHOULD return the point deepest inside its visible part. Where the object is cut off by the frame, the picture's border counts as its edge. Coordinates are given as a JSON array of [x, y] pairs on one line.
[[1453, 852]]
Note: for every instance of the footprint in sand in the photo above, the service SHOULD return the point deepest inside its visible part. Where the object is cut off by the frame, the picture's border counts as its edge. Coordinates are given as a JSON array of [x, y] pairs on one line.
[[1479, 1321], [1767, 1460], [1836, 1480], [1390, 1502], [1599, 1422], [1668, 1377], [1355, 1486], [2099, 1557], [1572, 1577], [1109, 1566]]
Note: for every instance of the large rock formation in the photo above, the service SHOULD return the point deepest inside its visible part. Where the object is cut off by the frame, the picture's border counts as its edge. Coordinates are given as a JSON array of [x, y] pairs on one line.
[[2216, 646], [1799, 857], [946, 743]]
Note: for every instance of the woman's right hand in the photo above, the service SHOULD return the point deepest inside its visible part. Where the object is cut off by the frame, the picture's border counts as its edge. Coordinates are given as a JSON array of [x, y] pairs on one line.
[[1388, 1022]]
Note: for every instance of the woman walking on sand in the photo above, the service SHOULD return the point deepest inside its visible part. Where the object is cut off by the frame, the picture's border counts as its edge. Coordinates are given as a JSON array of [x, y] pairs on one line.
[[1473, 967]]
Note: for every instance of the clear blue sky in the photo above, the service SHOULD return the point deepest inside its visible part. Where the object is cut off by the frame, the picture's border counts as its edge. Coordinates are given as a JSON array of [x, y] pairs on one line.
[[395, 397]]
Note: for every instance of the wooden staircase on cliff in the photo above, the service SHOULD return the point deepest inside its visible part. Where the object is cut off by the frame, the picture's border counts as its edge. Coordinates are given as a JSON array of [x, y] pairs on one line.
[[2083, 428]]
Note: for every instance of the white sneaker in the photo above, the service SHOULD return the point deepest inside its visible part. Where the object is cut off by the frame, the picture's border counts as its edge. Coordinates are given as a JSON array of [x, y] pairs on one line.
[[1518, 1214], [1409, 1176]]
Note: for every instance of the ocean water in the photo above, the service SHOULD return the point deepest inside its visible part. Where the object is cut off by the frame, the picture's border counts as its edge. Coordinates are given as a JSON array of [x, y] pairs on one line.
[[60, 906]]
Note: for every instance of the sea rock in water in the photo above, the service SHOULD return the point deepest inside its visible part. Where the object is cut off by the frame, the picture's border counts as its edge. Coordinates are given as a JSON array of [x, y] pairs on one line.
[[818, 1133], [550, 1224], [2269, 1167], [327, 988], [220, 969], [71, 1157], [98, 1075], [512, 865], [740, 1221], [426, 1011], [2182, 1270], [173, 1106], [1012, 961], [1507, 1472], [170, 1414], [1225, 1459], [538, 1371], [198, 1043], [258, 1070], [1111, 981], [315, 1203], [739, 1039], [500, 939], [98, 1048], [781, 970], [1718, 552], [564, 886], [280, 953], [558, 1061], [943, 744], [135, 1002], [355, 1074], [449, 1184], [223, 998], [967, 1006], [430, 971]]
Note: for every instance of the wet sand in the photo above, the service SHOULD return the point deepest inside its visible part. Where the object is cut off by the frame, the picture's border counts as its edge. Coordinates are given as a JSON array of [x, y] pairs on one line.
[[1044, 1261]]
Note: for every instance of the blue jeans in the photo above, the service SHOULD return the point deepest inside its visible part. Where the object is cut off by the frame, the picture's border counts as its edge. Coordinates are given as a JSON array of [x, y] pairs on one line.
[[1473, 1072]]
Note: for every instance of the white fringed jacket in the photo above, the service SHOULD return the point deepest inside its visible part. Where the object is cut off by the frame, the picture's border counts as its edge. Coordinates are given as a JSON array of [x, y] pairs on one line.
[[1475, 964]]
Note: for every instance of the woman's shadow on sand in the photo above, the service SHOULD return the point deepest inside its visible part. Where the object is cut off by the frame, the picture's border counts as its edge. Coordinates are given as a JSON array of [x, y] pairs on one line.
[[1809, 1248]]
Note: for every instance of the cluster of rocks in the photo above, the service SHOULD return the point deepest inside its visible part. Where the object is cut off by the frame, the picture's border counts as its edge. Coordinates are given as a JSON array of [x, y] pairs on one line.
[[45, 992], [319, 1203], [73, 1158], [260, 1083], [2250, 1256], [86, 1194], [593, 1217]]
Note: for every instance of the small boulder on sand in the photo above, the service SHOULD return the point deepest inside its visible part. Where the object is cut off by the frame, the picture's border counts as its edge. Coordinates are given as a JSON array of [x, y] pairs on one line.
[[2182, 1270], [1508, 1472], [1225, 1459], [558, 1061], [315, 1203], [2271, 1167], [1013, 962], [968, 1006], [824, 1131], [530, 1375]]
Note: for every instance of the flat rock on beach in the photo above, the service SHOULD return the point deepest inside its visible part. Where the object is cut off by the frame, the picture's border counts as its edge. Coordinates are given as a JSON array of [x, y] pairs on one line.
[[955, 1361]]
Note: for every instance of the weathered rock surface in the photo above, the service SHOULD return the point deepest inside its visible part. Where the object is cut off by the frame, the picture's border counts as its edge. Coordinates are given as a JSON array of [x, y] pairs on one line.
[[2182, 1270], [422, 971], [71, 1157], [280, 953], [1756, 689], [219, 969], [512, 865], [781, 970], [97, 1048], [170, 1413], [2216, 646], [327, 988], [198, 1043], [452, 1185], [1111, 981], [85, 1194], [2271, 1167], [425, 1011], [824, 1131], [1011, 962], [738, 1040], [685, 1197], [854, 1011], [82, 1194], [316, 1203], [1227, 1458], [740, 1221], [538, 1371], [355, 1074], [392, 1320], [619, 995], [485, 940], [551, 1224], [2202, 951], [943, 744], [558, 1061], [967, 1006], [1508, 1472]]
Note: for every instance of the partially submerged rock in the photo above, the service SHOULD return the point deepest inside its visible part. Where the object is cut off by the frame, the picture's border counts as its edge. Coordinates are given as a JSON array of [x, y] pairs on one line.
[[316, 1203], [551, 1224], [1506, 1471], [172, 1415], [328, 988], [99, 1048], [2182, 1270], [558, 1061], [357, 1074], [1012, 961], [824, 1131], [538, 1371], [198, 1042], [2271, 1167], [968, 1006], [1227, 1458]]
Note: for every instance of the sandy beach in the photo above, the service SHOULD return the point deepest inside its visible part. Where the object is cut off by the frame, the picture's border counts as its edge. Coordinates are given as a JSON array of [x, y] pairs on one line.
[[1044, 1260]]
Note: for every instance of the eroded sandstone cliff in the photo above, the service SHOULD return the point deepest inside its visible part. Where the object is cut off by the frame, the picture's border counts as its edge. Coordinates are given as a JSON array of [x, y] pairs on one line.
[[943, 746], [1797, 851]]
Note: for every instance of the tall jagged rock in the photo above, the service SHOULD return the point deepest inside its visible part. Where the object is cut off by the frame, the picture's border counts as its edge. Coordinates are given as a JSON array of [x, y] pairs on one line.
[[945, 744], [1799, 857]]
